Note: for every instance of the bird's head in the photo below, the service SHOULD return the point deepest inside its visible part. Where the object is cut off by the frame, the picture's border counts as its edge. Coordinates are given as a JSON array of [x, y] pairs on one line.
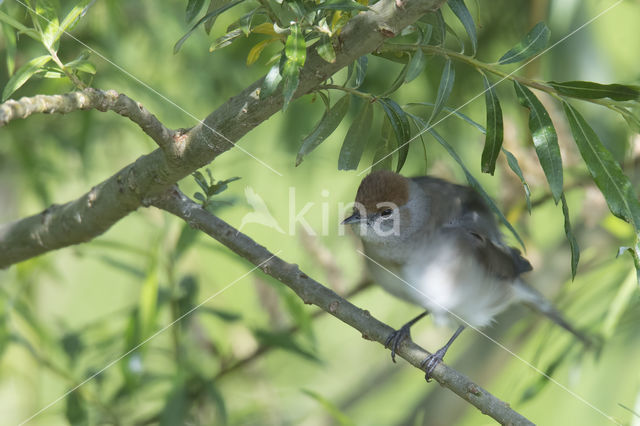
[[381, 209]]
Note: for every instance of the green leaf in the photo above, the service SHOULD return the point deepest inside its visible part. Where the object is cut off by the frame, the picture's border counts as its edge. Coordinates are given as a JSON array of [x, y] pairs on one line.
[[415, 66], [606, 172], [401, 128], [225, 40], [573, 243], [10, 46], [332, 409], [515, 167], [460, 10], [291, 79], [6, 19], [475, 184], [271, 81], [24, 74], [623, 299], [81, 65], [193, 8], [188, 236], [356, 138], [591, 90], [454, 112], [76, 410], [440, 27], [46, 11], [295, 48], [284, 340], [544, 138], [346, 5], [176, 407], [444, 89], [358, 69], [73, 17], [217, 397], [209, 15], [325, 49], [382, 159], [535, 41], [494, 137], [148, 302], [327, 125]]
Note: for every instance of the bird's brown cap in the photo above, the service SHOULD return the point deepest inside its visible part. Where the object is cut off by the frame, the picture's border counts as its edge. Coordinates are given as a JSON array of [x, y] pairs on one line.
[[383, 186]]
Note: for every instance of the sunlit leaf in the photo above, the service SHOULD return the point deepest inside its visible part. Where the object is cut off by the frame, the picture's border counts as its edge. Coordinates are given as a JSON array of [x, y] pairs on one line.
[[544, 138], [290, 81], [23, 74], [591, 90], [73, 17], [495, 130], [620, 303], [346, 5], [460, 10], [10, 47], [401, 128], [329, 122], [534, 42], [257, 49], [225, 40], [295, 48], [325, 49], [148, 302], [573, 243], [271, 82], [6, 19], [356, 138]]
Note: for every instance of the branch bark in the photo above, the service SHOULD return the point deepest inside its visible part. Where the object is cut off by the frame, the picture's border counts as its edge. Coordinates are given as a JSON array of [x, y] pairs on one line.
[[93, 213], [312, 292]]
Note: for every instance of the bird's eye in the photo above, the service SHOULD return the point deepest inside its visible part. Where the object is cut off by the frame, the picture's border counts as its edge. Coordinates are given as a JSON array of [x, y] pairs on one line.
[[386, 213]]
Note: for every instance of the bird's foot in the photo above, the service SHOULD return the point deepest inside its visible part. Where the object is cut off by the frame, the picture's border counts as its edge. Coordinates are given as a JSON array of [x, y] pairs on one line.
[[430, 362], [395, 338]]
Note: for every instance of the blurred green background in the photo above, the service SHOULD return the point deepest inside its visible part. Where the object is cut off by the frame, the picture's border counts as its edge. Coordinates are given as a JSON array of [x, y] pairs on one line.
[[69, 313]]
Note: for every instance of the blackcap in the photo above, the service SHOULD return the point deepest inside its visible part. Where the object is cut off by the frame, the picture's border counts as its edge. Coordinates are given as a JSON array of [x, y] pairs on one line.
[[437, 245]]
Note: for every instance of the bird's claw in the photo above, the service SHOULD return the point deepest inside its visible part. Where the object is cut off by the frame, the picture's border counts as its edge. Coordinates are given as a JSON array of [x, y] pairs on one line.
[[394, 340], [430, 363]]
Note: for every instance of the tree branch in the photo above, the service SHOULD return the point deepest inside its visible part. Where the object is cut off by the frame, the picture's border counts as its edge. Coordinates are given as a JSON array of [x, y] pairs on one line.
[[312, 292], [92, 214]]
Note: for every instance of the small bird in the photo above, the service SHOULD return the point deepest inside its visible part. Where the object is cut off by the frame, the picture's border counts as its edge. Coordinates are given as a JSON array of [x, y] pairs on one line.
[[437, 245]]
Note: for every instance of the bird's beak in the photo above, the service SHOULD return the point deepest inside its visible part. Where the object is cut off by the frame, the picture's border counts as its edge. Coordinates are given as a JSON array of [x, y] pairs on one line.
[[354, 218]]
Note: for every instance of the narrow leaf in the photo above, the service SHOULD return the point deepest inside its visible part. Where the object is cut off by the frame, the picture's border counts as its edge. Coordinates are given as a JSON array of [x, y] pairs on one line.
[[295, 48], [606, 172], [476, 185], [271, 81], [325, 49], [73, 17], [460, 10], [23, 75], [401, 128], [573, 243], [10, 45], [193, 8], [544, 138], [591, 90], [535, 41], [225, 40], [256, 50], [356, 138], [346, 5], [454, 112], [209, 15], [415, 66], [494, 137], [359, 70], [444, 89], [515, 167], [333, 410], [382, 157], [327, 125], [290, 81]]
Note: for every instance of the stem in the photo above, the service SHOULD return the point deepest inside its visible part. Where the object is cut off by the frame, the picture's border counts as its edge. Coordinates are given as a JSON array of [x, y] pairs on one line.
[[349, 90], [71, 76]]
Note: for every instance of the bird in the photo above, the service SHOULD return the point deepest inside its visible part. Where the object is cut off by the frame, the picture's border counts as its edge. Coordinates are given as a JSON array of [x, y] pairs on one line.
[[436, 244]]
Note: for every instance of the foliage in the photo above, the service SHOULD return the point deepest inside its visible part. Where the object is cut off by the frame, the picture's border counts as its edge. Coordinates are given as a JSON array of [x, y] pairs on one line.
[[377, 124]]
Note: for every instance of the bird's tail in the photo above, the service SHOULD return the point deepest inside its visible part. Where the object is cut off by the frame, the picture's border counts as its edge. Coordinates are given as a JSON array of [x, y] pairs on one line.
[[536, 301]]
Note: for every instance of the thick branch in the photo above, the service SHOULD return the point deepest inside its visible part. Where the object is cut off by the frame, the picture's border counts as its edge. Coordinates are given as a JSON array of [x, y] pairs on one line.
[[312, 292], [95, 212]]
